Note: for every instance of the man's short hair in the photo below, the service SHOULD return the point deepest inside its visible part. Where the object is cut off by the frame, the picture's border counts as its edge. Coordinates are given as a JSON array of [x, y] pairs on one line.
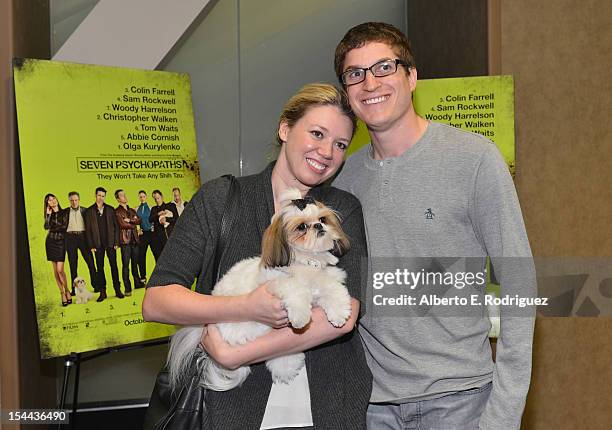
[[176, 189], [117, 193], [74, 193], [157, 192], [100, 189], [142, 192], [369, 32]]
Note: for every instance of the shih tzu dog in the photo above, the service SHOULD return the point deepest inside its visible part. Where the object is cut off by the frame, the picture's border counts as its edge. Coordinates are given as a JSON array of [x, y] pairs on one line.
[[299, 252], [82, 294]]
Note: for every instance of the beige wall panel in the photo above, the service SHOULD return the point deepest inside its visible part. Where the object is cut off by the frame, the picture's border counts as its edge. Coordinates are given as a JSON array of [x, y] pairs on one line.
[[559, 53], [572, 376]]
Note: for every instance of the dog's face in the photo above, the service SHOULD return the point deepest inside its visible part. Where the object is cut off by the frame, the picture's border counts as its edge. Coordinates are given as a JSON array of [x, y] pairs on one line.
[[79, 283], [304, 225]]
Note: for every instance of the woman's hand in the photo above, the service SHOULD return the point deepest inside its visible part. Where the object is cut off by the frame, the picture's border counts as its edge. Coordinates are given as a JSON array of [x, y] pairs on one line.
[[263, 307], [221, 351], [49, 210]]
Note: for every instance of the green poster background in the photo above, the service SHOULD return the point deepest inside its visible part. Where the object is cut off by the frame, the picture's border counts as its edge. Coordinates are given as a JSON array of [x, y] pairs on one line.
[[482, 104], [81, 127]]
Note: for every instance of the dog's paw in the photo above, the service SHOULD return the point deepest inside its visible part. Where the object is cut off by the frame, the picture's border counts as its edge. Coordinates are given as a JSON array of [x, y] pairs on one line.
[[285, 369], [299, 316], [338, 316]]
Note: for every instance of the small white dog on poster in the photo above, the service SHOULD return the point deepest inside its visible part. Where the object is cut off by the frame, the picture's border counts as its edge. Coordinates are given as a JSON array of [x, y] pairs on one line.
[[297, 253], [83, 295]]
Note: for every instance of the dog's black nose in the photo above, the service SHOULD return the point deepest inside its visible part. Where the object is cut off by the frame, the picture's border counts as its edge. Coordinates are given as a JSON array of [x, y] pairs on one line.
[[318, 226]]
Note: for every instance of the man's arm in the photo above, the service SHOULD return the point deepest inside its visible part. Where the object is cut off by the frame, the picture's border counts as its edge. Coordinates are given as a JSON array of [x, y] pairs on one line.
[[498, 223], [153, 216], [116, 227], [120, 215], [174, 218], [135, 220], [88, 221]]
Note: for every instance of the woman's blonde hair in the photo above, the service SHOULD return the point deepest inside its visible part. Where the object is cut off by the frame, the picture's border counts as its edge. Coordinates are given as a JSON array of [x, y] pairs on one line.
[[316, 94]]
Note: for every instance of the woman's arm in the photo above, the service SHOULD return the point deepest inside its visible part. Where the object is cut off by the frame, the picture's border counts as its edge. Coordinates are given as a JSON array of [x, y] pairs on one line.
[[319, 331], [175, 304], [57, 222], [278, 342]]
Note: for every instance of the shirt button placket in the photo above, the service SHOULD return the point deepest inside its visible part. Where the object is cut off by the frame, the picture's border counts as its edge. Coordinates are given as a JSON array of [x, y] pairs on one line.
[[385, 194]]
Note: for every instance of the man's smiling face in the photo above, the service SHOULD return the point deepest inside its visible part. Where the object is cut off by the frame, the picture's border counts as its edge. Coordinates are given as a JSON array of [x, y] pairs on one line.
[[380, 102]]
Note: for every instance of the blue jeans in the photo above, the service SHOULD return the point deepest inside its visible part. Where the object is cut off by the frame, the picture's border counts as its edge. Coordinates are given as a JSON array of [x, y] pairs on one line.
[[457, 411]]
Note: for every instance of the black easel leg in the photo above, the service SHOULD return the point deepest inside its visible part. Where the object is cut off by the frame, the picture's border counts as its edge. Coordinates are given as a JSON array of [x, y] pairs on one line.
[[67, 366], [75, 394]]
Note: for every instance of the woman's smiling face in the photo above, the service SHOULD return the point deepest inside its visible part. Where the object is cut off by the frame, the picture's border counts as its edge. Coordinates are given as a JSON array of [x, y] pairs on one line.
[[314, 146]]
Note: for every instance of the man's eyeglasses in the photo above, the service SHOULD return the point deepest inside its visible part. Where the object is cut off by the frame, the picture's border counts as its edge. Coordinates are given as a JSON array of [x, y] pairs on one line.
[[382, 68]]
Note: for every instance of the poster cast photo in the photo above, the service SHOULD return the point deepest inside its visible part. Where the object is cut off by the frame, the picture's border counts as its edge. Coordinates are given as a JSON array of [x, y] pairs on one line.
[[97, 233]]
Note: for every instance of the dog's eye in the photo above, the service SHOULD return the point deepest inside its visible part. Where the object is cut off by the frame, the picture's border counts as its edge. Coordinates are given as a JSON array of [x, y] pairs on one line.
[[302, 227], [322, 220]]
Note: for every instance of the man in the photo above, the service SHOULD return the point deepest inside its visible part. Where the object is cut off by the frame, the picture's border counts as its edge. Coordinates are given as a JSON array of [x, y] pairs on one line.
[[178, 200], [163, 216], [145, 233], [75, 241], [431, 190], [128, 221], [102, 232]]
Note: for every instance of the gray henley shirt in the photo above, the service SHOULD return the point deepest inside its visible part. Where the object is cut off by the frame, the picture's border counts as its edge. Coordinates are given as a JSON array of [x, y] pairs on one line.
[[449, 195]]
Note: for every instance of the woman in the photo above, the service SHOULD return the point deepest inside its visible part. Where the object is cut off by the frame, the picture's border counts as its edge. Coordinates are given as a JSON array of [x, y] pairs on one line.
[[314, 131], [56, 221]]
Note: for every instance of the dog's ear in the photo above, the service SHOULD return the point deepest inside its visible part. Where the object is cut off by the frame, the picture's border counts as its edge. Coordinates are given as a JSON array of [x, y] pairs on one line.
[[275, 250], [341, 240]]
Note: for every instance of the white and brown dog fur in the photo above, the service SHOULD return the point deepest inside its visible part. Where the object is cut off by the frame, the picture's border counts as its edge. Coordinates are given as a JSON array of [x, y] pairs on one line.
[[83, 295], [298, 254]]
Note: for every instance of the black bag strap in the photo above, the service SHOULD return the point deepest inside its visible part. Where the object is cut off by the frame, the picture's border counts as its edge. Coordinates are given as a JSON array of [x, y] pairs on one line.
[[230, 213]]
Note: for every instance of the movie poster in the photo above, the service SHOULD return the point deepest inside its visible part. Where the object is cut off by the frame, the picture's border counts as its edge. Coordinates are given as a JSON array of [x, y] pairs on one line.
[[109, 161], [481, 104]]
